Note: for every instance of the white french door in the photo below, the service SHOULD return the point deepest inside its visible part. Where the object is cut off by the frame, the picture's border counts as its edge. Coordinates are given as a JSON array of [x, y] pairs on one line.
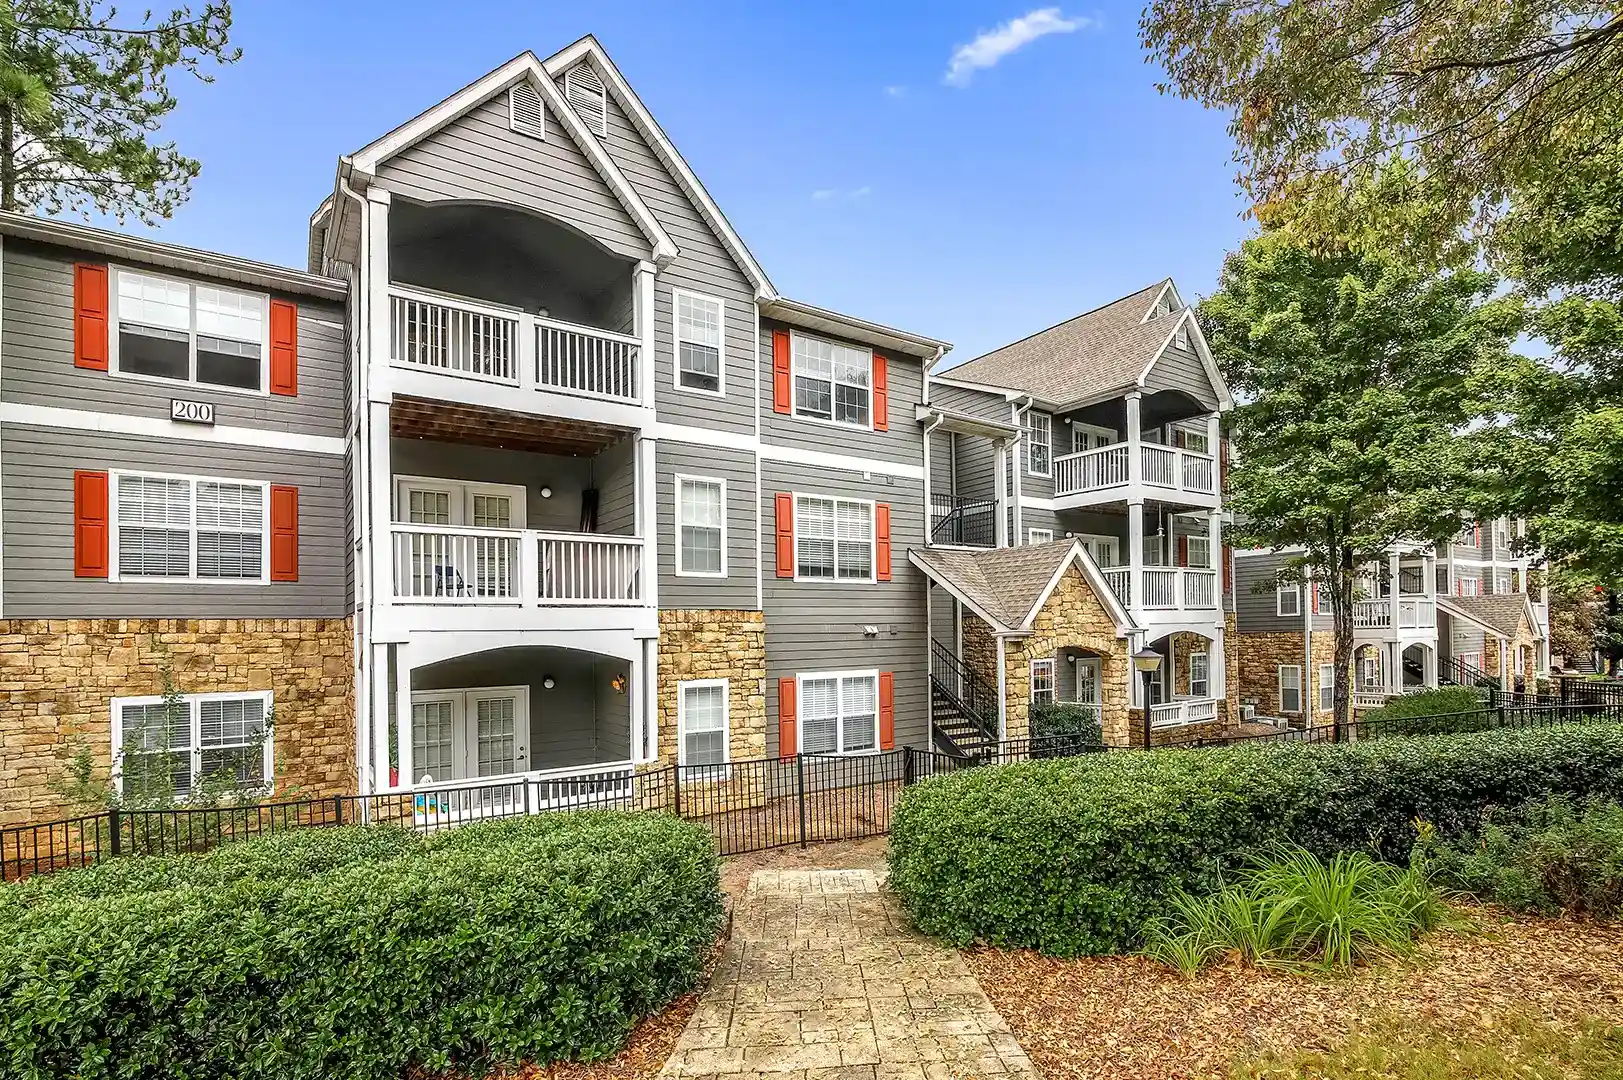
[[1087, 681], [1106, 550], [449, 564], [466, 734]]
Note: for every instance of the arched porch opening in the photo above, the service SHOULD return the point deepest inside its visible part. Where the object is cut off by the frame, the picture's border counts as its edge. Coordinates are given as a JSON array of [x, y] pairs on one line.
[[1418, 668], [1188, 686]]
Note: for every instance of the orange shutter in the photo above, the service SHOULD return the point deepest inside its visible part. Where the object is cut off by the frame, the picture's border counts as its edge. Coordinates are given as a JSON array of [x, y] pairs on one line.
[[881, 399], [1183, 551], [1223, 466], [785, 503], [887, 710], [780, 371], [1228, 569], [284, 547], [1315, 598], [284, 348], [90, 524], [881, 531], [90, 317], [788, 743]]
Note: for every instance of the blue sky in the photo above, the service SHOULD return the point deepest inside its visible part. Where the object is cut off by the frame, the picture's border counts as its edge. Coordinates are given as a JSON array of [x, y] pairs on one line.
[[866, 170]]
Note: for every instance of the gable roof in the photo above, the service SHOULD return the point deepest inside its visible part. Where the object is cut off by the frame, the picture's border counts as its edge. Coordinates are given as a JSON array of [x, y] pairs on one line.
[[589, 49], [524, 66], [1095, 355], [1008, 586], [1499, 614]]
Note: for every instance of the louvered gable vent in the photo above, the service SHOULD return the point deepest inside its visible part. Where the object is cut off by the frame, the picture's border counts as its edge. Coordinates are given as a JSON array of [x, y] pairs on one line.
[[524, 109], [584, 91]]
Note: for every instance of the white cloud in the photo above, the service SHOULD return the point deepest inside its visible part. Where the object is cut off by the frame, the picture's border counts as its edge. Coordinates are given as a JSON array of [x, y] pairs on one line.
[[990, 46], [895, 91], [841, 194]]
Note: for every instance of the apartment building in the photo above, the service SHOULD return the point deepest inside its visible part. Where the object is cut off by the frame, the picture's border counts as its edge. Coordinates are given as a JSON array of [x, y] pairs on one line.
[[1454, 613], [535, 474]]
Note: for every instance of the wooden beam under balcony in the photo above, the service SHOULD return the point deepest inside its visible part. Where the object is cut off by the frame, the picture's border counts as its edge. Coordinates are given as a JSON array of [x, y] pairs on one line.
[[445, 421]]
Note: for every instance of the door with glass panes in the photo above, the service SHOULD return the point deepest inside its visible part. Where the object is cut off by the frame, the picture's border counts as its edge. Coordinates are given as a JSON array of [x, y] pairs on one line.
[[464, 561], [467, 734]]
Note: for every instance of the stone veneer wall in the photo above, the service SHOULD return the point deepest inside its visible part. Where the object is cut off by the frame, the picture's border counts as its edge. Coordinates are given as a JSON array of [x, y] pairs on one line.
[[1257, 656], [1523, 639], [1231, 659], [980, 648], [58, 678], [722, 644], [1073, 617]]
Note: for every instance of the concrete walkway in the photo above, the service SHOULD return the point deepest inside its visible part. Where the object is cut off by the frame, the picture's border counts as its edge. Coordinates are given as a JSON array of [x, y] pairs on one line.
[[824, 980]]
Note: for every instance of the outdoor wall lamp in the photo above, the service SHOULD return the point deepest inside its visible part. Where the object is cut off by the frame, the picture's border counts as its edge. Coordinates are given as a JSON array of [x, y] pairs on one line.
[[1148, 662], [547, 683], [546, 493]]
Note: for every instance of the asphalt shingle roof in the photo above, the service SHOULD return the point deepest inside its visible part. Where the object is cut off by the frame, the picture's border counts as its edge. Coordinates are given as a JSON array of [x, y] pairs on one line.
[[1502, 611], [1004, 582], [1101, 350]]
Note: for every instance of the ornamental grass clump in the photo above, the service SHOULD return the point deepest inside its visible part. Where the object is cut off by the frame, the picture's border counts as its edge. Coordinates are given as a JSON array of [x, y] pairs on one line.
[[1297, 911]]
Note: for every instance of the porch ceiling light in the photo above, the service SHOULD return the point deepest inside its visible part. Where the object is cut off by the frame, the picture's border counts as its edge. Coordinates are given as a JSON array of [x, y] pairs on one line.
[[547, 683], [1147, 661]]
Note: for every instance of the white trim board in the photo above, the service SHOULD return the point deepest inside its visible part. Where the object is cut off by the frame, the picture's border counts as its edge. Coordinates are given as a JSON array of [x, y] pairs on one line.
[[793, 455], [161, 427]]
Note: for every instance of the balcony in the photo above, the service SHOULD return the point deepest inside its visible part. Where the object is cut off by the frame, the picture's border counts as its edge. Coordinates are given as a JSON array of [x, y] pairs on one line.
[[956, 521], [1413, 613], [461, 567], [1178, 713], [1105, 473], [1167, 588], [449, 347]]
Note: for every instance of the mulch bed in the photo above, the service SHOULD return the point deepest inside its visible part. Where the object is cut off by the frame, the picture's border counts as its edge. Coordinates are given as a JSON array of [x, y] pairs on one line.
[[1129, 1017], [644, 1055]]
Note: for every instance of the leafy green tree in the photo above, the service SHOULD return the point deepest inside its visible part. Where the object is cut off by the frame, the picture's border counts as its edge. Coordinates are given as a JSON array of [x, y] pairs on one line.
[[82, 96], [1447, 108], [1354, 374]]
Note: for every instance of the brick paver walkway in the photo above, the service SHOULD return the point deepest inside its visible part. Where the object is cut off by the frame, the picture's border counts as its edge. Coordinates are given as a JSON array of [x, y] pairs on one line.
[[824, 980]]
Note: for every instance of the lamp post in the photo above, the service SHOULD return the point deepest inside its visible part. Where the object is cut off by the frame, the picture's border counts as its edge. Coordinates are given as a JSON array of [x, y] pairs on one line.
[[1148, 662]]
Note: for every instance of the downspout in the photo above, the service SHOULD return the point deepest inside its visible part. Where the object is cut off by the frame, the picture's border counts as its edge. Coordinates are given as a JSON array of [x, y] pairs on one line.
[[360, 546], [1019, 452], [929, 370], [929, 506]]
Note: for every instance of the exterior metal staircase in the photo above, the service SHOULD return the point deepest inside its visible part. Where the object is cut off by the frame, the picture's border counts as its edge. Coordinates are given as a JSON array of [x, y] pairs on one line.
[[963, 707]]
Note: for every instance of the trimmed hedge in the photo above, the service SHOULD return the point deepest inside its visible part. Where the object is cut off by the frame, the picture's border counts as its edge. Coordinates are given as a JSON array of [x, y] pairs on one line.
[[360, 953], [1074, 856], [1431, 712]]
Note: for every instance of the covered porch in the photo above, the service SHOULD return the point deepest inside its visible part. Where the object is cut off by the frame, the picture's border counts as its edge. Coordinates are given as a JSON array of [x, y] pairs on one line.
[[1189, 686], [1161, 445]]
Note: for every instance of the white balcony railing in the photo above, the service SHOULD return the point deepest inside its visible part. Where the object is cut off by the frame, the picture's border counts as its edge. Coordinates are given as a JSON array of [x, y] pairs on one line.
[[1372, 614], [440, 804], [1160, 467], [439, 564], [458, 337], [1120, 580], [1189, 711], [1179, 588], [1414, 613]]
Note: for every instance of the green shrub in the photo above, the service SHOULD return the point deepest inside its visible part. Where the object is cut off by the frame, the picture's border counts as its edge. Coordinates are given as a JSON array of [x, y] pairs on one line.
[[1077, 725], [1429, 712], [1297, 911], [530, 940], [1074, 856], [1551, 856]]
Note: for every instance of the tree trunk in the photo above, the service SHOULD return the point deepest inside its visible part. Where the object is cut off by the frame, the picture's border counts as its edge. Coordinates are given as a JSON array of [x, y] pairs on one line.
[[8, 158], [1341, 615]]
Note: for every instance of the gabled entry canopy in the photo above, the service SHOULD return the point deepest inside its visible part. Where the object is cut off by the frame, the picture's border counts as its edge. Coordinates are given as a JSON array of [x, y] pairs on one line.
[[1007, 587]]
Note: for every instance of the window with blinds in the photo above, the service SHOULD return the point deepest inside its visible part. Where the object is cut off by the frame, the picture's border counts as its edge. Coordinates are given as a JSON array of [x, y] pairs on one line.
[[834, 539], [839, 714], [524, 113], [176, 748], [583, 89], [832, 381], [702, 719], [189, 528], [170, 329]]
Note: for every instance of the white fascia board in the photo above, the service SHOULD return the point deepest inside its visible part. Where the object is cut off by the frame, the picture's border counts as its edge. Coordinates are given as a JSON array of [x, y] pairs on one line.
[[524, 66], [1090, 570], [1157, 301], [656, 138]]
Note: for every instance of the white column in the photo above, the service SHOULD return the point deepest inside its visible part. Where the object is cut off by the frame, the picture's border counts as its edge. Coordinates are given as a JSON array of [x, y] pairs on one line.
[[929, 657], [645, 517], [1135, 556], [636, 704], [1394, 565], [643, 295], [1217, 668], [650, 693], [1017, 466], [1430, 662], [1135, 456], [380, 719], [381, 488], [1002, 689], [402, 710], [1001, 525]]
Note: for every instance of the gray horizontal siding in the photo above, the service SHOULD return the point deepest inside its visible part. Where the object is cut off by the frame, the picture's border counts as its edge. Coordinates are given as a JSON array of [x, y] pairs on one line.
[[1032, 517], [820, 626], [1181, 369], [735, 592], [982, 403], [567, 477], [1255, 607], [1031, 484], [36, 485], [904, 389], [614, 471], [36, 341], [703, 266], [975, 460], [478, 156]]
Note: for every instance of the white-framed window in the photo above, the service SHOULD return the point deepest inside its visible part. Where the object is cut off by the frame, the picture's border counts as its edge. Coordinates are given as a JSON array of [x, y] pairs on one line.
[[1199, 550], [1042, 681], [1180, 336], [1090, 437], [524, 112], [839, 712], [1502, 583], [175, 747], [701, 350], [1467, 586], [1039, 442], [832, 381], [1521, 660], [701, 526], [1200, 684], [1187, 437], [834, 539], [1039, 536], [1327, 686], [189, 528], [1370, 671], [1106, 550], [1290, 688], [701, 719], [583, 89], [1288, 600], [185, 332]]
